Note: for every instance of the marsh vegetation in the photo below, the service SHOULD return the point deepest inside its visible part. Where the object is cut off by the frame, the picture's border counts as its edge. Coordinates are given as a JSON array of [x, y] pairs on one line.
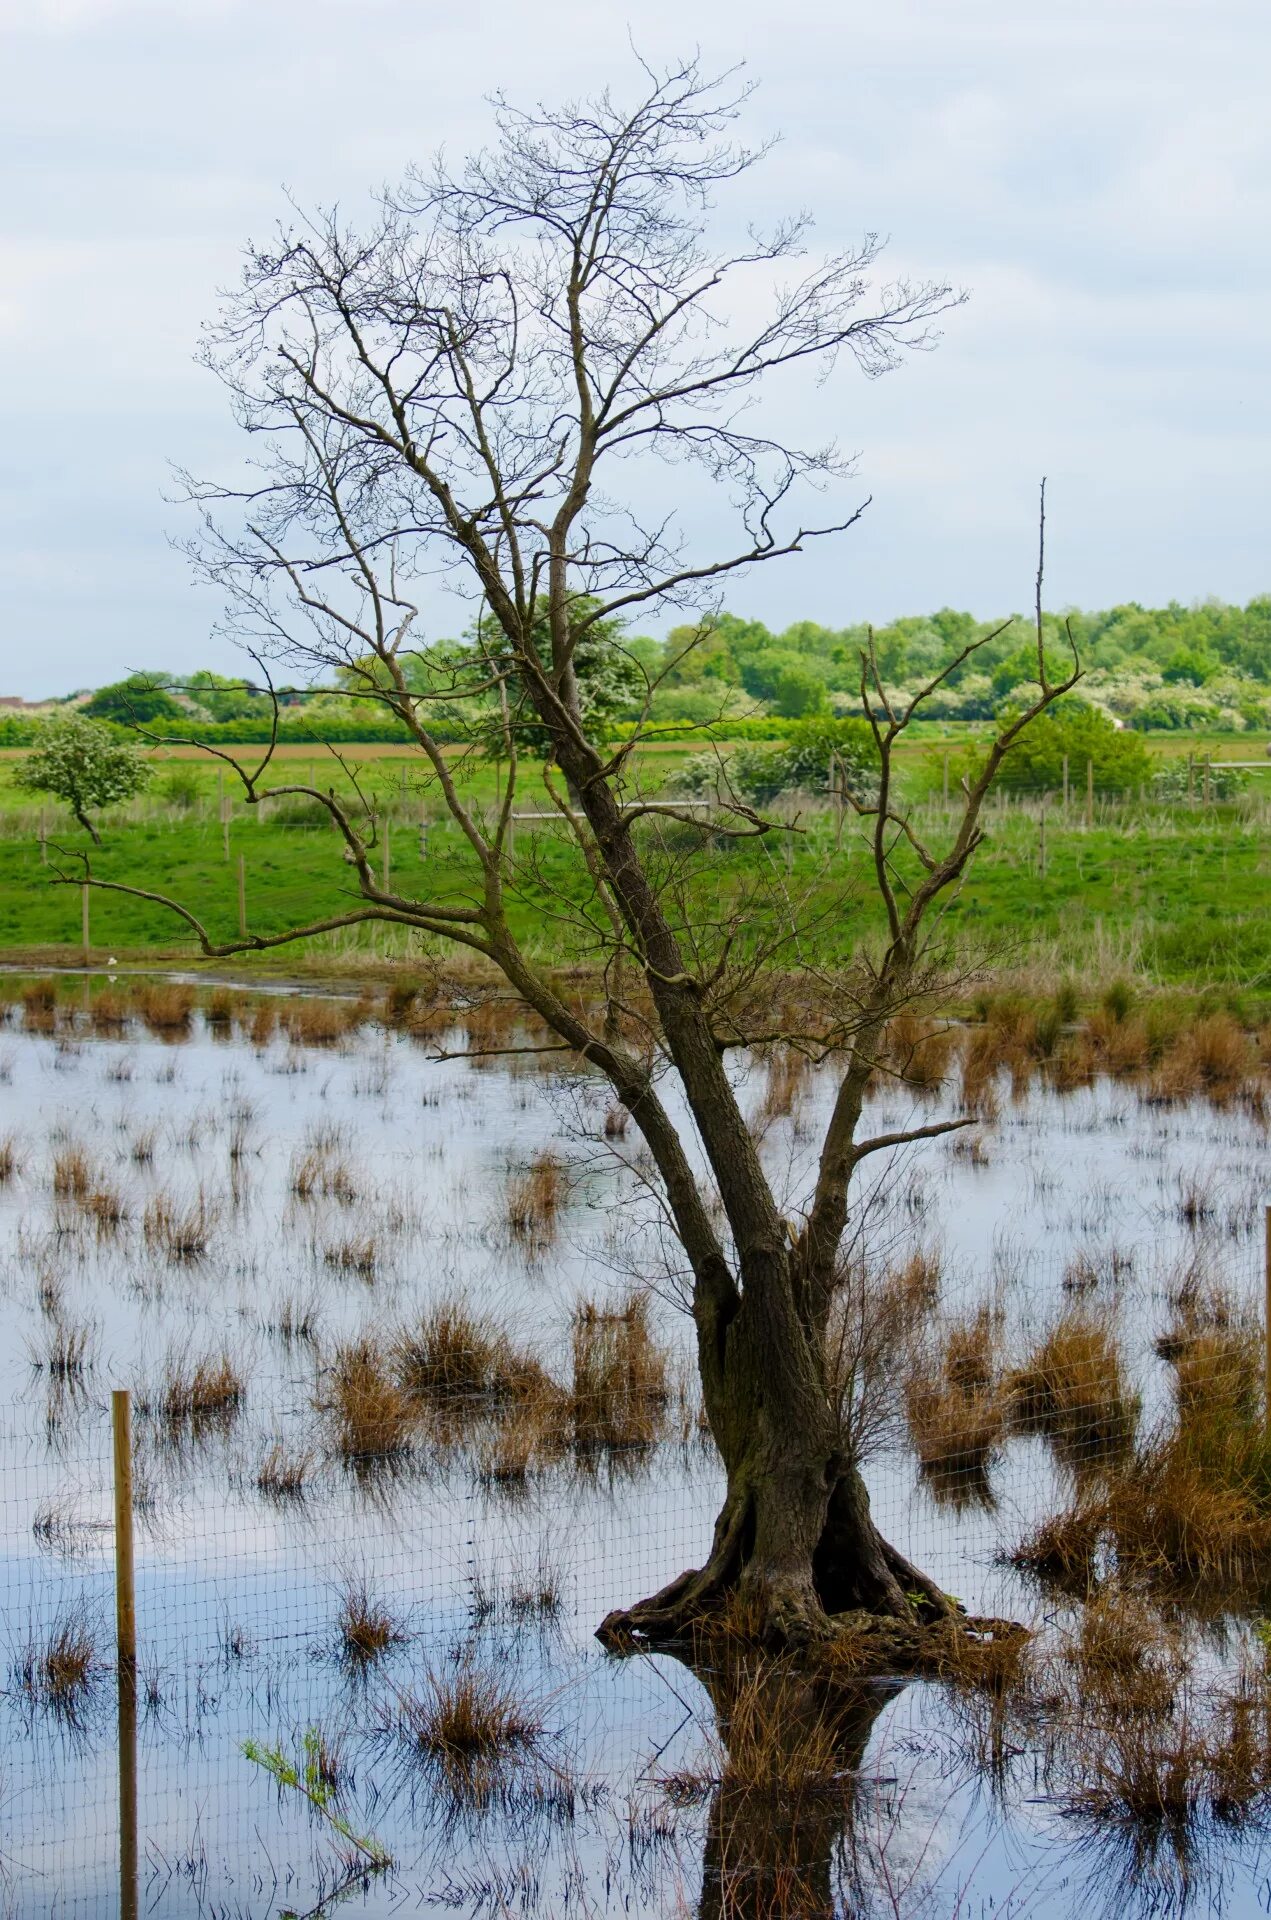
[[386, 1508]]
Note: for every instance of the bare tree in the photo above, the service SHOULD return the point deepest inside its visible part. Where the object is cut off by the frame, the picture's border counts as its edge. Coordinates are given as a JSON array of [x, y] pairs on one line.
[[455, 391]]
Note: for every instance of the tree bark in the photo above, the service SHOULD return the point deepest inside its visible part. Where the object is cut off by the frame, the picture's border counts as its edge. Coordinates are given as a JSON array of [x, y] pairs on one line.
[[794, 1538], [88, 826]]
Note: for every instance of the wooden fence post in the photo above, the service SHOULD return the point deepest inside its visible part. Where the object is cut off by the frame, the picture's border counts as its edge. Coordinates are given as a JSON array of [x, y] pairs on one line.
[[44, 838], [946, 783], [1066, 786], [1041, 836], [1206, 790], [838, 779], [83, 921], [242, 894], [387, 863], [1266, 1327], [125, 1587], [1089, 794], [125, 1651]]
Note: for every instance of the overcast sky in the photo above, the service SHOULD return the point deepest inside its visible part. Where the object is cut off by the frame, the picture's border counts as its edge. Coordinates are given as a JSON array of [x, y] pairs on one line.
[[1097, 175]]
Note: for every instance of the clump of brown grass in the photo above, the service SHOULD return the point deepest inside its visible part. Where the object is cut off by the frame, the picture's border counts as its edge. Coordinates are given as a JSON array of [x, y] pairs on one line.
[[920, 1051], [469, 1725], [319, 1023], [366, 1628], [59, 1672], [108, 1011], [616, 1119], [399, 1001], [218, 1010], [1016, 1036], [181, 1229], [294, 1319], [535, 1198], [1073, 1065], [39, 1001], [916, 1281], [142, 1145], [1073, 1388], [165, 1008], [535, 1594], [1211, 1060], [10, 1158], [490, 1023], [454, 1354], [1216, 1352], [200, 1395], [1123, 1656], [319, 1171], [1119, 1044], [954, 1403], [354, 1253], [1064, 1547], [620, 1376], [283, 1475], [535, 1432], [372, 1418], [1191, 1504], [105, 1206], [263, 1024], [73, 1173], [1158, 1780], [64, 1351]]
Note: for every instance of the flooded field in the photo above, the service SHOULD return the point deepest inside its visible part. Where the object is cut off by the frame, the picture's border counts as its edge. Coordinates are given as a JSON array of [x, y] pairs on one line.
[[414, 1407]]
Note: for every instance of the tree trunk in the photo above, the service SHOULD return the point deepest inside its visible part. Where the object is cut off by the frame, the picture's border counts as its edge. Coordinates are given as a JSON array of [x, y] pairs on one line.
[[794, 1538], [88, 826]]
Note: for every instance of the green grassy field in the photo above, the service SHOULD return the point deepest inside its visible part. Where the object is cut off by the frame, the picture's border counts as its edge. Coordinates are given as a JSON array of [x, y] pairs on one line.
[[1171, 894]]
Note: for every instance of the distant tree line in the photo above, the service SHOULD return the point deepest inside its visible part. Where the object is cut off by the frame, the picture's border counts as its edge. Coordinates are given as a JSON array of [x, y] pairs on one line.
[[1175, 667]]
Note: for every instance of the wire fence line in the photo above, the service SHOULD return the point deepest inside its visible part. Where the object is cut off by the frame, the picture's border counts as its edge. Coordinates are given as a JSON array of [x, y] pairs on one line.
[[263, 1615]]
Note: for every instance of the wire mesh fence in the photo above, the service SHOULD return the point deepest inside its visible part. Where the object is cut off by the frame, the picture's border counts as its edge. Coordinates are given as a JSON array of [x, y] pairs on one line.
[[343, 1608], [398, 1435]]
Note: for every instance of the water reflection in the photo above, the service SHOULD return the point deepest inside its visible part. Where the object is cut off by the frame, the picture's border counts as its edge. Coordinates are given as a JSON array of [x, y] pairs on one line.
[[780, 1831]]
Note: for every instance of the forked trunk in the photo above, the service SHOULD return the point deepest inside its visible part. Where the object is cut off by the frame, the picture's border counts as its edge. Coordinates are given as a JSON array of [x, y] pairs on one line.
[[794, 1540]]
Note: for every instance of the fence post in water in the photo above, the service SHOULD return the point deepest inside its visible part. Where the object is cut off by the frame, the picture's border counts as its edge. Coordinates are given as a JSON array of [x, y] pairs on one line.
[[242, 894], [125, 1651], [83, 921]]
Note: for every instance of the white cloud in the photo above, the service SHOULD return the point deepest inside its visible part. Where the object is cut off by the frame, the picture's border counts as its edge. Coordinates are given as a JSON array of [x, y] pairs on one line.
[[1099, 174]]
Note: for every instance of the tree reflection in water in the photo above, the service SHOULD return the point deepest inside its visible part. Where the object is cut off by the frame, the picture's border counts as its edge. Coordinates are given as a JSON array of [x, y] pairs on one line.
[[788, 1771]]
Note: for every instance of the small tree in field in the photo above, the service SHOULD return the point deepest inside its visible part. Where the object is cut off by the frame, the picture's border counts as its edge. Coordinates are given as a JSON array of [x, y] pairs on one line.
[[81, 762], [461, 388]]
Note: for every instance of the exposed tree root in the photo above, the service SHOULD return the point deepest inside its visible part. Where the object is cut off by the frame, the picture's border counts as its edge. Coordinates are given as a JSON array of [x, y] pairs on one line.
[[855, 1603]]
